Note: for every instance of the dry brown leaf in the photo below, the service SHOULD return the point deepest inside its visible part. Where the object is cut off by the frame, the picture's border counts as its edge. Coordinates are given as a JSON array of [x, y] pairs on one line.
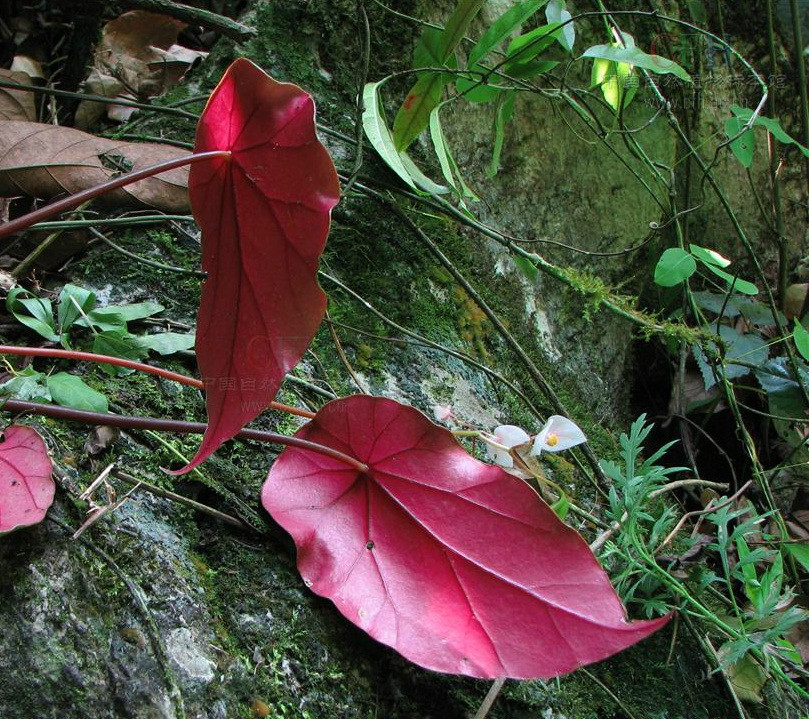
[[16, 104], [28, 65], [137, 58], [44, 161], [102, 437]]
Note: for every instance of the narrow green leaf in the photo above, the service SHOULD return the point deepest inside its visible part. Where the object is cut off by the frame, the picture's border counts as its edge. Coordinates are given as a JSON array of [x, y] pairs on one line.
[[801, 337], [448, 166], [476, 90], [738, 284], [636, 57], [528, 46], [708, 256], [503, 113], [459, 21], [502, 27], [378, 134], [743, 146], [674, 266], [69, 390], [414, 114], [73, 301], [800, 552]]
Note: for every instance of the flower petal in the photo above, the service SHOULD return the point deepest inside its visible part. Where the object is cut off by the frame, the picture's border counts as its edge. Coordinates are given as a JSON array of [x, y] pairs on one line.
[[559, 433], [508, 435]]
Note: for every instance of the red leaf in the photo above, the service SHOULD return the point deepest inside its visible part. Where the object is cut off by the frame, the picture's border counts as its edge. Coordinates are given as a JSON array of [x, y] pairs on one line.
[[264, 214], [26, 487], [457, 565]]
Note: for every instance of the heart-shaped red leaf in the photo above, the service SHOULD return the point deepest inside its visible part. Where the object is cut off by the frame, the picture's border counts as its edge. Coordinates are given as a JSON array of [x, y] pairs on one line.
[[459, 566], [264, 214], [26, 486]]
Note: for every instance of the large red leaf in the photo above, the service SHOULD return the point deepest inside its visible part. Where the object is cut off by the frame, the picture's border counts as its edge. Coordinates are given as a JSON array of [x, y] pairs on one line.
[[264, 214], [457, 565], [26, 486]]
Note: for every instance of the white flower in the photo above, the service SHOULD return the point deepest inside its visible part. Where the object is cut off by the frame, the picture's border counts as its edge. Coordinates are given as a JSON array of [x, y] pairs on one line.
[[507, 436], [442, 412], [558, 433]]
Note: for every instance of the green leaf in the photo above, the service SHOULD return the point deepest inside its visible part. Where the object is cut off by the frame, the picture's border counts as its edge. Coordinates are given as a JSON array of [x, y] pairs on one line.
[[800, 552], [28, 385], [69, 390], [557, 12], [526, 47], [73, 301], [423, 183], [632, 55], [801, 337], [743, 147], [502, 27], [166, 343], [617, 80], [476, 90], [528, 268], [674, 266], [414, 114], [503, 113], [449, 168], [105, 319], [561, 507], [771, 125], [117, 344], [749, 348], [33, 312], [738, 284], [378, 134], [137, 310], [708, 257]]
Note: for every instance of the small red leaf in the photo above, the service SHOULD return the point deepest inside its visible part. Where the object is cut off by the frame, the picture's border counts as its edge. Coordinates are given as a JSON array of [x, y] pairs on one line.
[[264, 214], [26, 486], [459, 566]]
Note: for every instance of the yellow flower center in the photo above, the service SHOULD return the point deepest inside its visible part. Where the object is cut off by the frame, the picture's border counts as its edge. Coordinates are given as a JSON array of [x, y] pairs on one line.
[[552, 439]]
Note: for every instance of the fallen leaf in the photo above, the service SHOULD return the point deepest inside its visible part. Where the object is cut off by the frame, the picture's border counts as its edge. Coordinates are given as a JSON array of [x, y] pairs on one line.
[[137, 58], [44, 161], [16, 104], [26, 486], [264, 214], [457, 565], [101, 438], [29, 66]]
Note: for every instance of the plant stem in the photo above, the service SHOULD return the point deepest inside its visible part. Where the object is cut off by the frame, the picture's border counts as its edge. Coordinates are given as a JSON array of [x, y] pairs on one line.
[[71, 201], [131, 364], [172, 425]]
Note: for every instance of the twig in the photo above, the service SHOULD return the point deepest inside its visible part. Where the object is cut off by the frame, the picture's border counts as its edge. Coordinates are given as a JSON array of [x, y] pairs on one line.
[[171, 425], [700, 512], [490, 698], [145, 260], [160, 492], [602, 538], [206, 18]]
